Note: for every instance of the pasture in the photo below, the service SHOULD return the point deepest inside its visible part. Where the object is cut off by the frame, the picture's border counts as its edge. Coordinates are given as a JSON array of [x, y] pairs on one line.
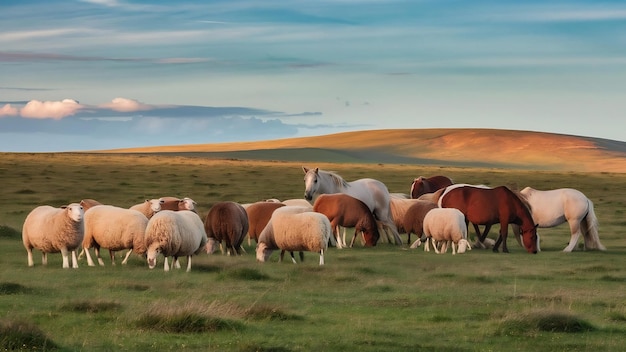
[[386, 297]]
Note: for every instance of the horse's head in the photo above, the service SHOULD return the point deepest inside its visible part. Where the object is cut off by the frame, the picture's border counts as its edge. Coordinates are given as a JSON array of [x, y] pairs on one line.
[[311, 186], [530, 238], [371, 236]]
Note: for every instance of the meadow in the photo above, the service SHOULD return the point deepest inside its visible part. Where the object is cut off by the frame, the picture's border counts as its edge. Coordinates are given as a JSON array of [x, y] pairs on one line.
[[372, 299]]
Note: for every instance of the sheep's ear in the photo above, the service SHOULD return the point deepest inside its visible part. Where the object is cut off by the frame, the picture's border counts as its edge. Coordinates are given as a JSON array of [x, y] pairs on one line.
[[63, 206]]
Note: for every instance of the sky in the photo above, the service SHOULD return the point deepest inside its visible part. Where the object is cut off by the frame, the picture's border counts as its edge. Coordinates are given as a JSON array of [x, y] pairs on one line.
[[80, 75]]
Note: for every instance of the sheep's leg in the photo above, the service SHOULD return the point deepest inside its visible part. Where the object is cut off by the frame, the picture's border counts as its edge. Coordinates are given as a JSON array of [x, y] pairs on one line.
[[426, 245], [112, 255], [89, 260], [66, 258], [44, 258], [282, 256], [166, 265], [97, 251], [321, 257], [434, 243], [82, 253], [176, 263], [188, 263], [453, 249], [74, 260], [31, 262], [126, 257]]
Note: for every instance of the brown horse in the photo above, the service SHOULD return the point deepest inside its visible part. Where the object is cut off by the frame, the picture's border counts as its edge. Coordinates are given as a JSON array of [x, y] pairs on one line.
[[347, 211], [488, 206], [422, 185]]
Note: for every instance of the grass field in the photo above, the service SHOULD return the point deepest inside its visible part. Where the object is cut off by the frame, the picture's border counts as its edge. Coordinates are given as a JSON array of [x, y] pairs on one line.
[[371, 299]]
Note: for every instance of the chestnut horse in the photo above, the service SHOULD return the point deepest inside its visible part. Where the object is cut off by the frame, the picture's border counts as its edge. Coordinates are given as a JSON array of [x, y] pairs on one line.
[[422, 185], [488, 206]]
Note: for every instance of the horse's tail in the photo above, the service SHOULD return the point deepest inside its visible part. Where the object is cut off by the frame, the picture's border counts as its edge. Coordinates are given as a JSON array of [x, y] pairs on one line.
[[590, 230]]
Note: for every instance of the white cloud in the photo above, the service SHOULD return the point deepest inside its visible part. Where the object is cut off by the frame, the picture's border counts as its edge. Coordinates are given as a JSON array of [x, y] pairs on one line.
[[8, 110], [126, 105], [50, 109]]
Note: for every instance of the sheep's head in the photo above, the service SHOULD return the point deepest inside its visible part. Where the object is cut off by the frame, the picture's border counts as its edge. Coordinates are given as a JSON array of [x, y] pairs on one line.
[[152, 253], [463, 245], [262, 252], [188, 203], [211, 245], [155, 204], [74, 211]]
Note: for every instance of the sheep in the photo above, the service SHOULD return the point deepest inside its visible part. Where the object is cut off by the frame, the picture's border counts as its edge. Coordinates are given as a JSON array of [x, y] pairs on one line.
[[54, 230], [114, 228], [347, 211], [446, 225], [293, 228], [88, 203], [173, 203], [226, 221], [399, 207], [174, 233], [414, 219], [259, 215], [149, 207]]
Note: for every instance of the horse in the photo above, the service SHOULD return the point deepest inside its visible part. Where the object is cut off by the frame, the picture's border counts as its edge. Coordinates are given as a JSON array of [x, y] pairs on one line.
[[372, 192], [488, 206], [554, 207], [422, 185]]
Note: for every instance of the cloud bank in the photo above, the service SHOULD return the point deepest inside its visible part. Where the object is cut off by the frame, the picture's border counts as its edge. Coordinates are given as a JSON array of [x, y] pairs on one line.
[[68, 125]]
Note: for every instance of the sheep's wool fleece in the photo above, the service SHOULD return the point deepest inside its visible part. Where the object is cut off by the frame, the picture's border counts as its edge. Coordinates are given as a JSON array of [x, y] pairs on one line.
[[178, 233], [307, 231], [115, 228], [445, 224], [49, 229]]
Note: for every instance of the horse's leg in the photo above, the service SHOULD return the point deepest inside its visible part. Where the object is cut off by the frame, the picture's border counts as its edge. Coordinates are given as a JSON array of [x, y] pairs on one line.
[[338, 236], [574, 226], [504, 231]]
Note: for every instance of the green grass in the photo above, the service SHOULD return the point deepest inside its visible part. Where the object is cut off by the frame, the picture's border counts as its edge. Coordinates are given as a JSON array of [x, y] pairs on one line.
[[371, 299]]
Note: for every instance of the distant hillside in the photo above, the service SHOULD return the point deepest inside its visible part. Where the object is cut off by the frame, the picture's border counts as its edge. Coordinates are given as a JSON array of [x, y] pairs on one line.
[[451, 147]]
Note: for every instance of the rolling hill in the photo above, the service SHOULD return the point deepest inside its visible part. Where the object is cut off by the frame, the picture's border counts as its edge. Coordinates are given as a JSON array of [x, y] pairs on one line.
[[446, 147]]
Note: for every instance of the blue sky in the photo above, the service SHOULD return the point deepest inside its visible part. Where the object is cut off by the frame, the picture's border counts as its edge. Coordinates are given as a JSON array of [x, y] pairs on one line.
[[99, 74]]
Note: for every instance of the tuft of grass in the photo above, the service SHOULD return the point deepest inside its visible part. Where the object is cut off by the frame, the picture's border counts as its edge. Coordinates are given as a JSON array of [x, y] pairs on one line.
[[256, 348], [11, 288], [25, 191], [529, 324], [618, 317], [95, 306], [19, 335], [184, 322], [9, 232]]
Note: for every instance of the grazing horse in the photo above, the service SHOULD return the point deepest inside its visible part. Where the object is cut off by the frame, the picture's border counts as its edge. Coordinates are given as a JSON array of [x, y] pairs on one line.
[[370, 191], [423, 185], [555, 207], [488, 206]]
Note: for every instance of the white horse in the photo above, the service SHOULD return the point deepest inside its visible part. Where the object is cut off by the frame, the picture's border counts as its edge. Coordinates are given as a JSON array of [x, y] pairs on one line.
[[554, 207], [370, 191]]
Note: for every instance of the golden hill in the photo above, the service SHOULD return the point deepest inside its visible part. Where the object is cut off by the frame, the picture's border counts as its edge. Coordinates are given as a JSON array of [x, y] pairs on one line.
[[460, 147]]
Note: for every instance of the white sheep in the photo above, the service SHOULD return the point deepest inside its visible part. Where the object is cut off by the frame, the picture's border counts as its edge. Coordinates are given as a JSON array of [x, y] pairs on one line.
[[54, 230], [114, 228], [446, 226], [149, 207], [293, 228], [174, 233]]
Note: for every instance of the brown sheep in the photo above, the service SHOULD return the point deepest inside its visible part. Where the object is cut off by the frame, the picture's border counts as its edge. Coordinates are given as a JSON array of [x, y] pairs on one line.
[[347, 211], [88, 203], [226, 221], [175, 204], [414, 218]]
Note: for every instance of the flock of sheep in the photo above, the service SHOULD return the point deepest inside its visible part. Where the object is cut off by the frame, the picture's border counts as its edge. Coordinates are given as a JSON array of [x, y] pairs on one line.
[[171, 227]]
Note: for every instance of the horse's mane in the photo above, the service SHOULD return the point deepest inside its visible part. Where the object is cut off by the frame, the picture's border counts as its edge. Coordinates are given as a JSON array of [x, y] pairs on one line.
[[523, 199], [337, 180]]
